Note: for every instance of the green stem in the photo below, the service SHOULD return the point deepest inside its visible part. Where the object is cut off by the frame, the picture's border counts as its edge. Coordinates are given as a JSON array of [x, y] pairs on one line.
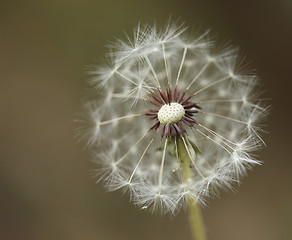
[[196, 220]]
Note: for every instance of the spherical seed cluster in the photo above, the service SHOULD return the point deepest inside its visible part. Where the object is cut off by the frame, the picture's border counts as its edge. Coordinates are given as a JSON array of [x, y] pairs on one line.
[[171, 113], [136, 145]]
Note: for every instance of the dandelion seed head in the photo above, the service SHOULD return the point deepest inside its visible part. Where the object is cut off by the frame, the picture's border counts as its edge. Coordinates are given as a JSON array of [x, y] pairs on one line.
[[163, 87]]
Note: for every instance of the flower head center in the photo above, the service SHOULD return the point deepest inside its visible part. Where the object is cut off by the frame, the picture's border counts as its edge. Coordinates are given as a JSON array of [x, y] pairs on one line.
[[171, 113]]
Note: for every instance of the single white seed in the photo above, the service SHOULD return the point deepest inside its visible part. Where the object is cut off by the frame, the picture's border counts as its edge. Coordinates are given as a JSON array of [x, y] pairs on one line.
[[171, 113]]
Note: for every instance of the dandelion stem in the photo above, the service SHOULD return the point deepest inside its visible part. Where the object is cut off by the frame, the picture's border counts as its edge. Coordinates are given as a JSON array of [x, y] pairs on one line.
[[196, 220], [193, 161]]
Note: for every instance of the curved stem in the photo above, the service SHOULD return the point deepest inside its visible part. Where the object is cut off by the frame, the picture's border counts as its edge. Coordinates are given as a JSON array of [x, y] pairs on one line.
[[195, 216]]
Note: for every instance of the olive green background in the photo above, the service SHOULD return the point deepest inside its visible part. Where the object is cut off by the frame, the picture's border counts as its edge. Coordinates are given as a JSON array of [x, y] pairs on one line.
[[46, 191]]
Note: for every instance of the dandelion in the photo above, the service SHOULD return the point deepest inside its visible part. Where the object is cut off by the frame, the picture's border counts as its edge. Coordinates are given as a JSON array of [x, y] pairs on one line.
[[177, 119]]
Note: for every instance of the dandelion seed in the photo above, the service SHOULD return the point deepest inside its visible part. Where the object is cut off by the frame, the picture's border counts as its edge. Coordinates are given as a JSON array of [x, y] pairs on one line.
[[164, 92]]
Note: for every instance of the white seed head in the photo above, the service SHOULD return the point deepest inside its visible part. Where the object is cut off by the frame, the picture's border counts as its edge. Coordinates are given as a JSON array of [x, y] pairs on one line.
[[171, 113], [219, 126]]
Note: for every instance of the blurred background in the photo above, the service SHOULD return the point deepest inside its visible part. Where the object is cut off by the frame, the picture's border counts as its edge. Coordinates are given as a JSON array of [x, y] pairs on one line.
[[45, 186]]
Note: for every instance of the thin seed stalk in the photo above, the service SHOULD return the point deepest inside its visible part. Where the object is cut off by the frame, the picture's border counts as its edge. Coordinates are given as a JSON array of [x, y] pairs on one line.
[[195, 216]]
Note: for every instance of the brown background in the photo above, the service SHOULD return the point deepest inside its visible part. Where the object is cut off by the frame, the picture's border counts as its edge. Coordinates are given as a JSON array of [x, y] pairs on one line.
[[46, 191]]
